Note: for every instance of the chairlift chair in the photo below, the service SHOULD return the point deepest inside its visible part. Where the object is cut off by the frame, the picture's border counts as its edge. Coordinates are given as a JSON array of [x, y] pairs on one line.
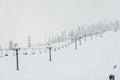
[[59, 48], [39, 51], [65, 45], [55, 49], [25, 52], [33, 53], [6, 54]]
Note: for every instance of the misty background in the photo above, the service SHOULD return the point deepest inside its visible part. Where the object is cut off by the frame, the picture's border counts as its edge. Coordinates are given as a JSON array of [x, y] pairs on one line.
[[41, 18]]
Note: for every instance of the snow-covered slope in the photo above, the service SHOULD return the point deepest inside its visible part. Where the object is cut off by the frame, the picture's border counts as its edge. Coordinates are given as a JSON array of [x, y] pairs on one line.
[[94, 60]]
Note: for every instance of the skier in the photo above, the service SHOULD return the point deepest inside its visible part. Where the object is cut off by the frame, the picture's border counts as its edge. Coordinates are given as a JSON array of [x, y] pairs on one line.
[[111, 77], [115, 66]]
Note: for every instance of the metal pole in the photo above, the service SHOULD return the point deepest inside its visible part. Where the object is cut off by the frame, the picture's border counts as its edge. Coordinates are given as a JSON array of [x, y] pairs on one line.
[[101, 34], [85, 37], [80, 41], [91, 36], [50, 59], [17, 60], [75, 44]]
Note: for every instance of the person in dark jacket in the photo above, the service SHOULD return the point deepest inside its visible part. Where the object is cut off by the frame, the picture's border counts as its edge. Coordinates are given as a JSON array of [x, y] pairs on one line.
[[111, 77]]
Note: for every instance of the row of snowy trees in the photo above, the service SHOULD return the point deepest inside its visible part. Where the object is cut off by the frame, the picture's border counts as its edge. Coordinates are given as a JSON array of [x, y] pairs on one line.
[[84, 31]]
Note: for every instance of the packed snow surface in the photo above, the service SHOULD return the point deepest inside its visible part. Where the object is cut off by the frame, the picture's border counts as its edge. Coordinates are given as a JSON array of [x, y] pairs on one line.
[[93, 60]]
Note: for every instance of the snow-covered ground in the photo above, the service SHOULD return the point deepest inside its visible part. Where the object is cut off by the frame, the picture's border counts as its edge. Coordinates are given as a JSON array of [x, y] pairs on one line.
[[93, 60]]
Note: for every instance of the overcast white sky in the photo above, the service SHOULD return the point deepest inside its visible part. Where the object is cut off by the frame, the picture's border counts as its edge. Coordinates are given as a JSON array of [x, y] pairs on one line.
[[38, 18]]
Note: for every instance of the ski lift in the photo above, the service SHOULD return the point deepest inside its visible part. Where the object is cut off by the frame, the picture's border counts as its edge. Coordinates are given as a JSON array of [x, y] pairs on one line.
[[25, 52], [33, 53], [65, 45], [6, 54], [40, 51], [59, 48], [68, 44], [55, 49]]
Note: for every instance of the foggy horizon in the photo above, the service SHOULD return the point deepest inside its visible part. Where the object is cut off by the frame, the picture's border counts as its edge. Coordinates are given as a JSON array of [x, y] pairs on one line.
[[40, 18]]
